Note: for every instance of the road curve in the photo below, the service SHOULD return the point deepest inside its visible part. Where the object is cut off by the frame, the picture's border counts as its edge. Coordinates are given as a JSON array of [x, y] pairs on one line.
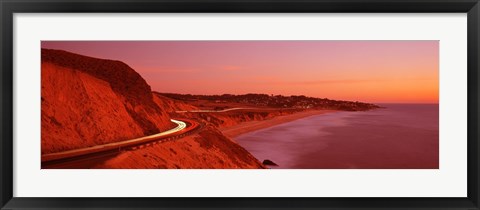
[[110, 148], [224, 110], [230, 109]]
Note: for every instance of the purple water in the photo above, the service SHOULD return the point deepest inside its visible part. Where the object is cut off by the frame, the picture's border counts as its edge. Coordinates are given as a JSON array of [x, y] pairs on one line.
[[399, 136]]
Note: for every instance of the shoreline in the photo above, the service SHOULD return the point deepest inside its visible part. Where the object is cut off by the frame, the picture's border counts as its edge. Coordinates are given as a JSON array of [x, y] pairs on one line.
[[246, 127]]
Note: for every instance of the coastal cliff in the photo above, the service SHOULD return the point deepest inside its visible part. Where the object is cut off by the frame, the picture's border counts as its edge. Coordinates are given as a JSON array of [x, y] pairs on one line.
[[87, 101], [82, 106], [208, 149]]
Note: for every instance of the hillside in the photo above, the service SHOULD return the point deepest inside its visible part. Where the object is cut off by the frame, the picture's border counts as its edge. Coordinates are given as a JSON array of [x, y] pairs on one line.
[[88, 101], [170, 104], [209, 149], [269, 101], [231, 118], [83, 106]]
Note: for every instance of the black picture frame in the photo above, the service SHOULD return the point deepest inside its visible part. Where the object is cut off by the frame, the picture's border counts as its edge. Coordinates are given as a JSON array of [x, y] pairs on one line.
[[10, 7]]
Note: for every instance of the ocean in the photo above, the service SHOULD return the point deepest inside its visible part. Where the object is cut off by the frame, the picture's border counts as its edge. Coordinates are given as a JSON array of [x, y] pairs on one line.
[[397, 136]]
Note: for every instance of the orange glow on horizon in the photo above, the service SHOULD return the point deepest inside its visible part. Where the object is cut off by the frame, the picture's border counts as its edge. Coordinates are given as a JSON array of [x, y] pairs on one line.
[[369, 71]]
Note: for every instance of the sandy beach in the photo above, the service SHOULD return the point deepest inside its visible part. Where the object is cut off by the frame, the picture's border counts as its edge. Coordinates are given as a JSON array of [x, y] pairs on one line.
[[246, 127]]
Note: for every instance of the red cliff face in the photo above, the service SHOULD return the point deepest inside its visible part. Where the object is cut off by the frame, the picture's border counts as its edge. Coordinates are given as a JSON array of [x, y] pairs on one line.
[[88, 101], [209, 149], [227, 119]]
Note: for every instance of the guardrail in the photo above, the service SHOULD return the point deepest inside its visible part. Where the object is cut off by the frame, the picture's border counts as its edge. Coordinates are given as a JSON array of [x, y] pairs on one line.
[[192, 126]]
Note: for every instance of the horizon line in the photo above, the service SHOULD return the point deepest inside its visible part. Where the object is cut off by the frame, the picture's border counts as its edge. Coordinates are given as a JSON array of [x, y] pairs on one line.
[[302, 95]]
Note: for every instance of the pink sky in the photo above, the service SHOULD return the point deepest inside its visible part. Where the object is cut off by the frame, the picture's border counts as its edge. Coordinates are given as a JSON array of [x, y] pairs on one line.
[[370, 71]]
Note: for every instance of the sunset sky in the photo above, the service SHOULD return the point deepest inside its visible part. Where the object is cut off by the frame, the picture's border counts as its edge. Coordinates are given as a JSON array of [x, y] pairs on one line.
[[369, 71]]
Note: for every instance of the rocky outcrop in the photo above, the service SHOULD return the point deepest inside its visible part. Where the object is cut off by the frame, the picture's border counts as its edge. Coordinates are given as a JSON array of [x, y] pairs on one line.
[[208, 149], [83, 106], [231, 118], [88, 101], [268, 162]]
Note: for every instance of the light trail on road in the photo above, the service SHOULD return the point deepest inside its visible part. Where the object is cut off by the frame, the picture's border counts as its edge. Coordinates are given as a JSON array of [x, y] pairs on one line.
[[98, 148]]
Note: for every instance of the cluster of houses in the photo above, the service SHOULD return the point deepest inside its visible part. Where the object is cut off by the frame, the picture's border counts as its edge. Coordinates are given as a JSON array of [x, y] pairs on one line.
[[277, 101]]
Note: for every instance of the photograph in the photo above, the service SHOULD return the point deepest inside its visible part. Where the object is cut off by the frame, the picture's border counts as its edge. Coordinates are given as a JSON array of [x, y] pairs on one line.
[[281, 104], [240, 104]]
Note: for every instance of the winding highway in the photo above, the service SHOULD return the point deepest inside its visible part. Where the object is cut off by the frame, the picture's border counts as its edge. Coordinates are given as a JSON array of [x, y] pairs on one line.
[[89, 156], [223, 110], [83, 157]]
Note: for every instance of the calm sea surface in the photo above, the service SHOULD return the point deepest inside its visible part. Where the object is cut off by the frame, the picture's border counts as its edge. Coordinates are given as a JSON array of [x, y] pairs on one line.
[[397, 136]]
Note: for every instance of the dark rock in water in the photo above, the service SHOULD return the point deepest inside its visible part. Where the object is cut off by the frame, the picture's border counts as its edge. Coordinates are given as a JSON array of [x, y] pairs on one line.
[[269, 162]]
